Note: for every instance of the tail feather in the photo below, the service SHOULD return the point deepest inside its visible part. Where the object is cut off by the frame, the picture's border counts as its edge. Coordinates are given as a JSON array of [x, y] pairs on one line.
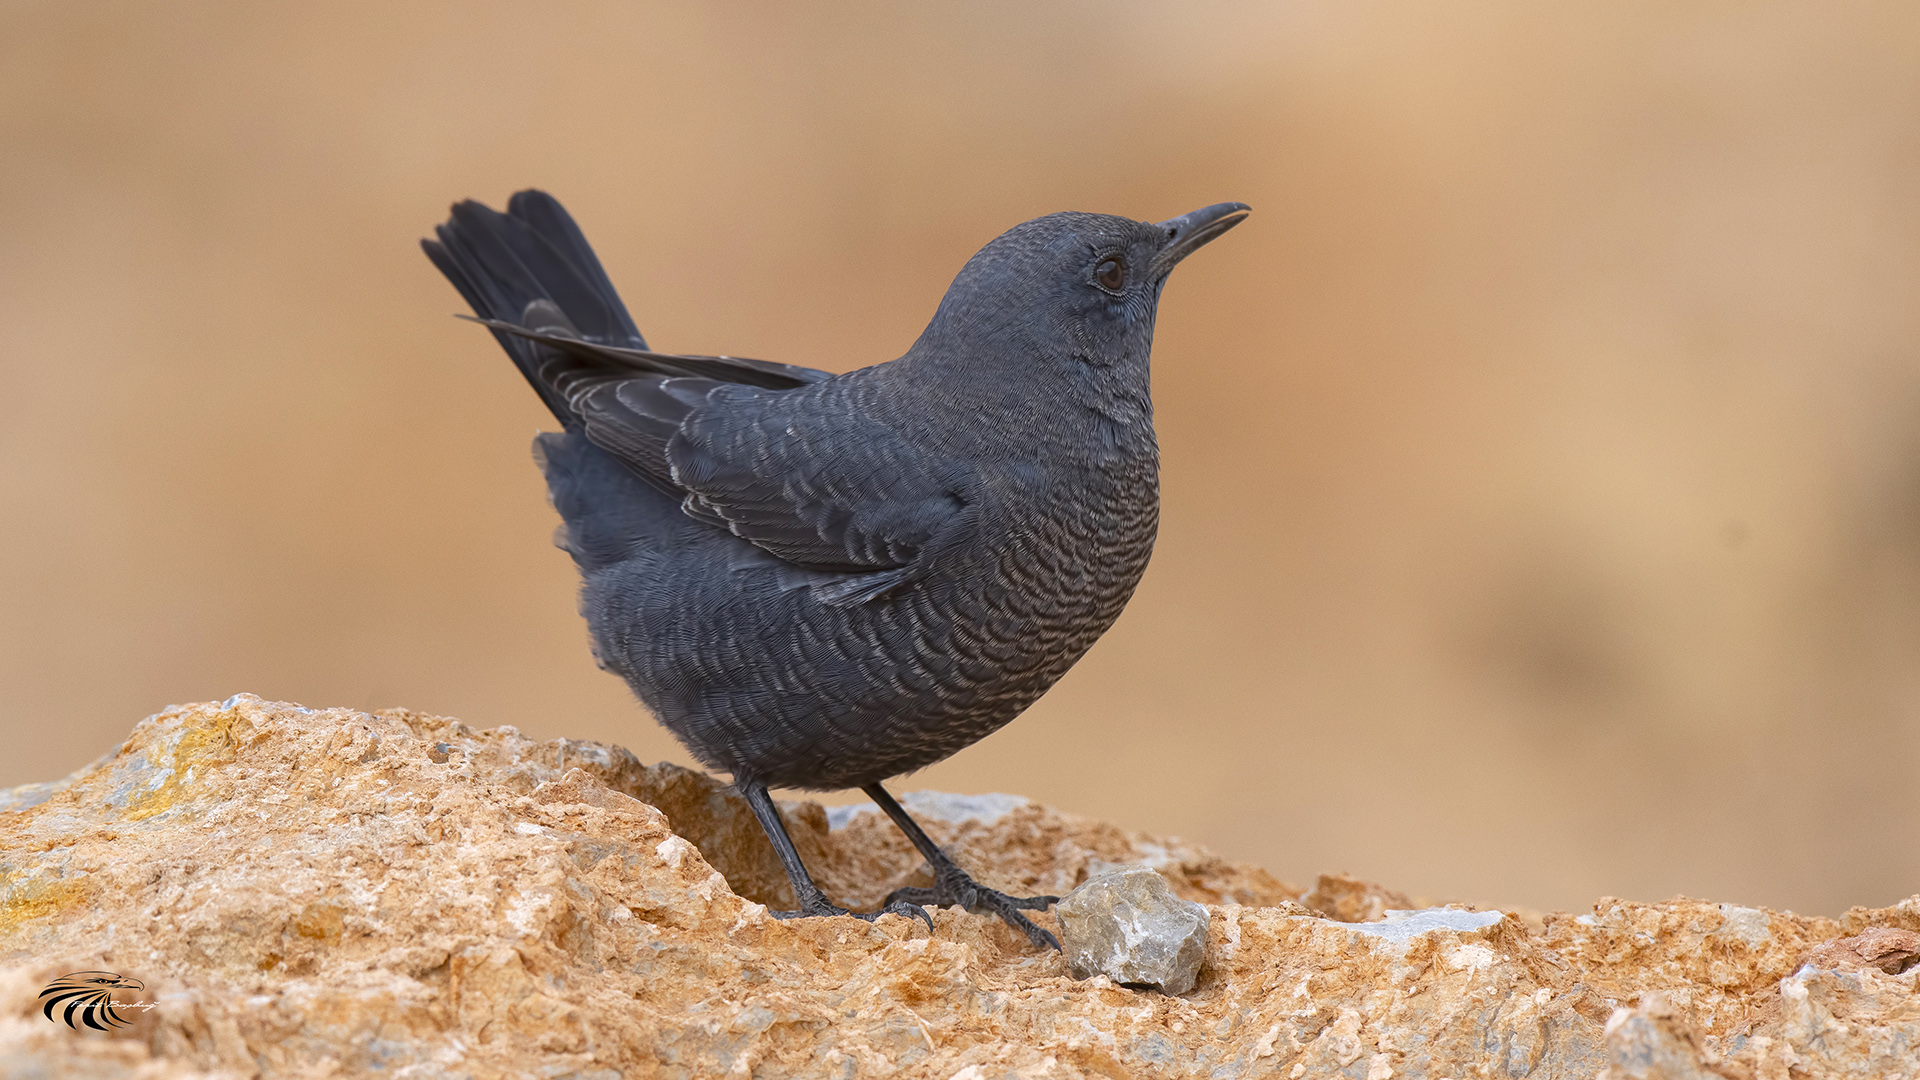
[[532, 279], [501, 263], [551, 222]]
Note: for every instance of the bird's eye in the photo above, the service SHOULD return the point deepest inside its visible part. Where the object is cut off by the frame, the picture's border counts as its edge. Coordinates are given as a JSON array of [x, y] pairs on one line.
[[1111, 274]]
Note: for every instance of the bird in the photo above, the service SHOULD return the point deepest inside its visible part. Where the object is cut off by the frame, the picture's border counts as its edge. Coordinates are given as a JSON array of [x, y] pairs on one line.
[[824, 581]]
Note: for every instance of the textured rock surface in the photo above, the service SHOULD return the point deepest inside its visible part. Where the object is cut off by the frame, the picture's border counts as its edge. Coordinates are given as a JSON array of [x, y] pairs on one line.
[[316, 893], [1128, 926]]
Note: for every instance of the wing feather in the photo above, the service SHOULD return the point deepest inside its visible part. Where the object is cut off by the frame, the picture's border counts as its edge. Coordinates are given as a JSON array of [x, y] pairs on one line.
[[789, 459], [846, 494]]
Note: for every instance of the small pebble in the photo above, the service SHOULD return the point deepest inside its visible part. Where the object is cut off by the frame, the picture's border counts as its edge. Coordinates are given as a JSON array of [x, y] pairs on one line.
[[1129, 926]]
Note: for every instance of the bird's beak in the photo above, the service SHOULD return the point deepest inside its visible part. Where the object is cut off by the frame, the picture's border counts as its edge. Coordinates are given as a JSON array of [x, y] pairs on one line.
[[1186, 233]]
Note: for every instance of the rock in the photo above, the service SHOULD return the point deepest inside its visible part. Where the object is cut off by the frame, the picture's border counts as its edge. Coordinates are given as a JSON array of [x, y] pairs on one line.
[[308, 893], [1345, 898], [1882, 948], [1652, 1043], [939, 806], [1405, 927], [707, 813], [1020, 848], [1129, 926]]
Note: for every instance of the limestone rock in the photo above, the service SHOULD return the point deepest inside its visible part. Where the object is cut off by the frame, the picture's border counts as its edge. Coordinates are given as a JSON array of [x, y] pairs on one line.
[[937, 806], [1023, 849], [1882, 948], [1652, 1043], [1129, 926], [310, 893], [1346, 898]]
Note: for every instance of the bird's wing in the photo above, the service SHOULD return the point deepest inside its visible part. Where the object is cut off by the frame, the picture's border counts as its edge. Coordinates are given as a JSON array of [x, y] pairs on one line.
[[738, 369], [806, 475], [815, 479]]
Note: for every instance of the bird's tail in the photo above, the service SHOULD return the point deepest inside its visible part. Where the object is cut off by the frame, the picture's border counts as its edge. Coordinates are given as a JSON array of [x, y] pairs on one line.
[[502, 263]]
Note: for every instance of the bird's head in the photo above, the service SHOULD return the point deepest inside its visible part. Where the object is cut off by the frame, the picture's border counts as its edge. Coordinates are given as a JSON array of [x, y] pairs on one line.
[[1072, 287]]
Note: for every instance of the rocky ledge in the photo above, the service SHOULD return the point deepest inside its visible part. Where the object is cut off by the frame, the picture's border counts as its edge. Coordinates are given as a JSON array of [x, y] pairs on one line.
[[305, 893]]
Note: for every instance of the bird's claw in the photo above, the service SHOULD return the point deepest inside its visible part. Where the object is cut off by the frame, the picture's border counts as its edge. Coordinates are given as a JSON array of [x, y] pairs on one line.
[[819, 906], [952, 886], [912, 911]]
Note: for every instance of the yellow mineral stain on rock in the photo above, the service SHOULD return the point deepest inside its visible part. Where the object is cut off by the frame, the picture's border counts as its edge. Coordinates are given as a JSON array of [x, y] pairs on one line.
[[206, 740], [29, 900], [320, 922]]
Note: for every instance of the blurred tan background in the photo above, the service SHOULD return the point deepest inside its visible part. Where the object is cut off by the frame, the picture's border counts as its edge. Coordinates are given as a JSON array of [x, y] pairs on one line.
[[1542, 460]]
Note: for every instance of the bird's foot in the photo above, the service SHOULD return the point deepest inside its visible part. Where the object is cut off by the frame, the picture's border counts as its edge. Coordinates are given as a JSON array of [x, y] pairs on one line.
[[952, 885], [817, 905]]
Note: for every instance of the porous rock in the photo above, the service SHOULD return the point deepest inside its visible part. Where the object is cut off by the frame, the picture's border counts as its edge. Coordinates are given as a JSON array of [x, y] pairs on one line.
[[1128, 926], [1346, 898], [311, 893]]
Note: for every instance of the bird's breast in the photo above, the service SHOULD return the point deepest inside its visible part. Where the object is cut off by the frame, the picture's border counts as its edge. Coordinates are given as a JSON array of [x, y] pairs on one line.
[[1063, 557]]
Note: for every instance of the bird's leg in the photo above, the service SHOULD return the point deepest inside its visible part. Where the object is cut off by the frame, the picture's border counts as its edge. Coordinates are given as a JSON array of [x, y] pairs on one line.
[[952, 885], [812, 900]]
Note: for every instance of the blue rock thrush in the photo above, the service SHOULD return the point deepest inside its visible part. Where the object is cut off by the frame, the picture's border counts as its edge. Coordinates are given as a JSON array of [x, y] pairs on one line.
[[822, 581]]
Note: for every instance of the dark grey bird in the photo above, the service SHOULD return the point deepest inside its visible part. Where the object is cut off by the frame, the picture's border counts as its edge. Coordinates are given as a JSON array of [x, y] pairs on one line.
[[823, 581]]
